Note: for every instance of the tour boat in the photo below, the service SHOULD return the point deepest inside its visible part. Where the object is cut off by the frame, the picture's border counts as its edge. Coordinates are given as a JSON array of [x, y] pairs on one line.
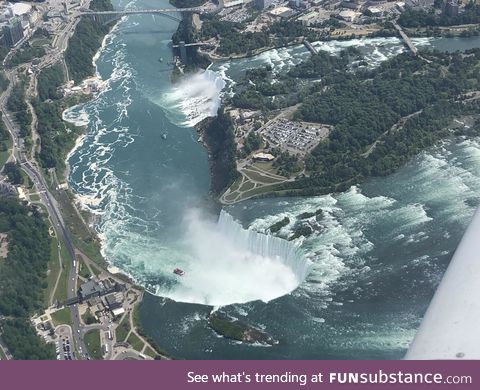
[[179, 272]]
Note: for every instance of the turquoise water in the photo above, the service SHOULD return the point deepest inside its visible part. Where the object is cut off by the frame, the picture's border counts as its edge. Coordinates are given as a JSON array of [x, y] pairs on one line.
[[373, 262]]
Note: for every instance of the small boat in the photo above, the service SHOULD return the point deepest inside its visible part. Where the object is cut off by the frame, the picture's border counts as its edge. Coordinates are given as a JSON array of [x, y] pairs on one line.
[[160, 59], [179, 272], [164, 136]]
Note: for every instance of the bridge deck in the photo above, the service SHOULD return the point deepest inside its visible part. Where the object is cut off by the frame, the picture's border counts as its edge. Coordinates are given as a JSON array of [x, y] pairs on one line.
[[406, 39], [144, 11]]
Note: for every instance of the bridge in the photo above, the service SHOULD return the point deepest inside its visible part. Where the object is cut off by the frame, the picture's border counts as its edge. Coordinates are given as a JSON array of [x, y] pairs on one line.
[[310, 47], [171, 13], [167, 12], [132, 11], [405, 39], [192, 44], [135, 11]]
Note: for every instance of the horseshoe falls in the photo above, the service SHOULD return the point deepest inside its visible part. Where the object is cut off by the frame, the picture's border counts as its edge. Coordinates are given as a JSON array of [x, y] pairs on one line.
[[228, 264]]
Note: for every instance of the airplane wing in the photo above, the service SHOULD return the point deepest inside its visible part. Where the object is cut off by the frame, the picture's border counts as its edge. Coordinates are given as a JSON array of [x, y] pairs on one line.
[[450, 328]]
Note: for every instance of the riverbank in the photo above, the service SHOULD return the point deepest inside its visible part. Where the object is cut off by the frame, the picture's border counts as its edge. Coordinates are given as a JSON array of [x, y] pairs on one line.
[[80, 221]]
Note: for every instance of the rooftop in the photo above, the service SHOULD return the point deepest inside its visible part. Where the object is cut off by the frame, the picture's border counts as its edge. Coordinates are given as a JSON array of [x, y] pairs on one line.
[[90, 288]]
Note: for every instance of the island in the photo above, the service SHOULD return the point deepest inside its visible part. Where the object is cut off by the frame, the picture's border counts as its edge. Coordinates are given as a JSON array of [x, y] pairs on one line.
[[236, 330]]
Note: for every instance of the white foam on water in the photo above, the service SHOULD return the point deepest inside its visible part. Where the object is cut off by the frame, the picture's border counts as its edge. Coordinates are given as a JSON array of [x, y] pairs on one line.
[[96, 185], [76, 115], [443, 178], [196, 97]]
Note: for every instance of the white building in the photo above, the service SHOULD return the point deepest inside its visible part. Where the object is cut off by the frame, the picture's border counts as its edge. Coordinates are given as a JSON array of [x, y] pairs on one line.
[[349, 15]]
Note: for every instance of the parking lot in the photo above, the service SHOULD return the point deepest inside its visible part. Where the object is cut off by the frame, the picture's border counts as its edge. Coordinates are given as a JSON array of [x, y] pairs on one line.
[[63, 343], [296, 137]]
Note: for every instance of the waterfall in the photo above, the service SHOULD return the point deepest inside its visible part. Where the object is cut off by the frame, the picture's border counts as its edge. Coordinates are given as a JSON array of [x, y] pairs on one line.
[[197, 96], [227, 264], [265, 245]]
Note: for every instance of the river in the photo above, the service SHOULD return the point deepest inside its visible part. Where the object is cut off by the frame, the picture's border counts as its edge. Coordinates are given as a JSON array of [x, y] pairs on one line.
[[355, 289]]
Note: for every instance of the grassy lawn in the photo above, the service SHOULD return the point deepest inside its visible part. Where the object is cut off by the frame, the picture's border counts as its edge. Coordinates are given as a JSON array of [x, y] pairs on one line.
[[247, 185], [95, 270], [150, 352], [61, 292], [26, 180], [135, 342], [258, 191], [54, 269], [4, 155], [83, 271], [257, 176], [264, 166], [92, 342], [88, 318], [35, 198], [236, 184], [62, 317], [122, 330], [40, 42], [83, 238], [231, 197], [136, 317]]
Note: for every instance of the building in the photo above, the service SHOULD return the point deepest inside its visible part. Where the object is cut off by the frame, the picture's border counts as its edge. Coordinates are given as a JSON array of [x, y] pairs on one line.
[[299, 4], [262, 4], [283, 12], [15, 22], [118, 312], [264, 157], [374, 11], [12, 31], [309, 18], [91, 289], [451, 8], [7, 190], [348, 15], [232, 3], [114, 301], [350, 5]]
